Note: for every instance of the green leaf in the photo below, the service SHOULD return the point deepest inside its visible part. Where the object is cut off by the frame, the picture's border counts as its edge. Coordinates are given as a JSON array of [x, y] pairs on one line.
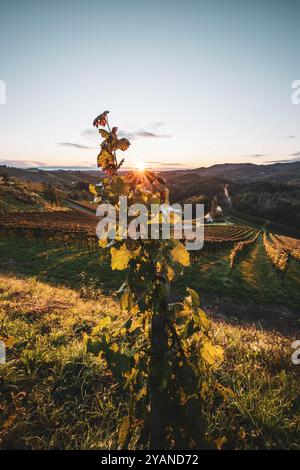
[[94, 346]]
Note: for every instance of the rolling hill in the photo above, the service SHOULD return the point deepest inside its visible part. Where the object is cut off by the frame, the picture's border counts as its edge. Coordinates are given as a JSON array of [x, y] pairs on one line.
[[271, 192]]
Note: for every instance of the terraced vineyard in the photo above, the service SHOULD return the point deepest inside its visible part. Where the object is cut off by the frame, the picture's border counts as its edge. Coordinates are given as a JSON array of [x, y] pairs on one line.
[[66, 227], [61, 223], [227, 233]]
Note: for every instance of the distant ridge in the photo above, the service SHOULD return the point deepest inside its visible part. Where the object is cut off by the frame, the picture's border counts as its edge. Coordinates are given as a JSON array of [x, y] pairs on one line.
[[231, 171]]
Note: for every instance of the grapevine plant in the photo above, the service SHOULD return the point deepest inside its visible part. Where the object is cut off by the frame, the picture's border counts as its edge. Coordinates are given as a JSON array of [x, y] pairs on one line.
[[163, 354]]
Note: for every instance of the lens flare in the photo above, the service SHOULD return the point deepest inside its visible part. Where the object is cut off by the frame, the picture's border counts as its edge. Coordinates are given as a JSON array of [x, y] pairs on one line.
[[140, 166]]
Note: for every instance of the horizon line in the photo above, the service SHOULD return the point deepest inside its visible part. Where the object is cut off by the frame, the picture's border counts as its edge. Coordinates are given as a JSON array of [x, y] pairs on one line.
[[132, 168]]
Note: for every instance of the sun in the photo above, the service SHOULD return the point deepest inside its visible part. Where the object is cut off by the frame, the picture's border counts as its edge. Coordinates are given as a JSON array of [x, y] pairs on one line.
[[140, 166]]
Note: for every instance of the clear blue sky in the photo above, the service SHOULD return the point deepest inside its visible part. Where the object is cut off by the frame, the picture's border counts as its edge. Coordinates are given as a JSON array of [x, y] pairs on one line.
[[210, 81]]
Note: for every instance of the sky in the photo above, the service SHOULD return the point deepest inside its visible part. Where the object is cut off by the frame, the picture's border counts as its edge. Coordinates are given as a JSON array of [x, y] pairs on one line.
[[193, 83]]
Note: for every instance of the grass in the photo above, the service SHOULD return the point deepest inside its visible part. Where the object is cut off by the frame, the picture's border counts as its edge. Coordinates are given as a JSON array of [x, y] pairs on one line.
[[56, 396], [73, 268], [254, 278]]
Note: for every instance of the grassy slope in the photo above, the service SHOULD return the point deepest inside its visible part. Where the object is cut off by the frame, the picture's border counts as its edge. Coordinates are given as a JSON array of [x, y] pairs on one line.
[[54, 395], [18, 199], [23, 198]]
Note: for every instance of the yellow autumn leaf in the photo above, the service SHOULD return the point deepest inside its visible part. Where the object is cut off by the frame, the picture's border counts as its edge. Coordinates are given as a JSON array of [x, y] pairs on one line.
[[103, 156], [203, 318], [169, 270], [159, 266], [104, 133], [180, 254], [120, 258], [142, 393], [212, 354], [103, 323], [134, 309], [193, 298], [220, 442], [226, 392], [103, 243], [92, 189], [170, 273], [131, 374], [136, 323], [123, 144]]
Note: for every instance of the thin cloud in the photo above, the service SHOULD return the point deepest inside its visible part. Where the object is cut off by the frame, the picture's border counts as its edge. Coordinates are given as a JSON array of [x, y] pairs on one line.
[[74, 145], [256, 155], [147, 134], [285, 160], [292, 158], [92, 132], [151, 133]]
